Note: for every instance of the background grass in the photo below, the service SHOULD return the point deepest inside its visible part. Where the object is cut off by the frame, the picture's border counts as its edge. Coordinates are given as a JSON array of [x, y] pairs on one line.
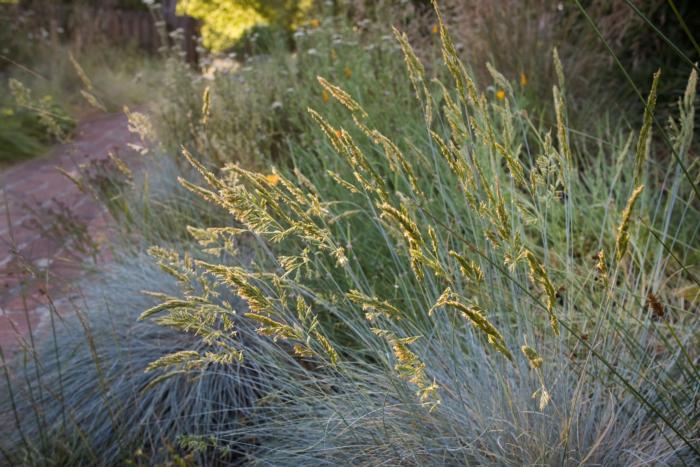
[[118, 74]]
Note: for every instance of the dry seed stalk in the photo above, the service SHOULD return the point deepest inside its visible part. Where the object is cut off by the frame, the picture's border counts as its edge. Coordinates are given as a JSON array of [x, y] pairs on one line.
[[276, 330], [514, 165], [451, 155], [499, 79], [342, 97], [373, 306], [502, 220], [559, 70], [464, 83], [416, 73], [539, 275], [602, 268], [89, 92], [344, 145], [560, 111], [81, 73], [655, 305], [622, 239], [327, 347], [642, 152], [393, 155], [411, 233], [206, 105], [409, 366], [342, 182], [243, 282], [332, 134], [469, 268], [477, 318], [532, 356], [453, 115]]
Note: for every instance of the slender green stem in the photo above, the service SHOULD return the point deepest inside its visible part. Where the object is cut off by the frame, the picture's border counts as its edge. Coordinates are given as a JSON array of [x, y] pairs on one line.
[[629, 79], [571, 331], [680, 19], [662, 35]]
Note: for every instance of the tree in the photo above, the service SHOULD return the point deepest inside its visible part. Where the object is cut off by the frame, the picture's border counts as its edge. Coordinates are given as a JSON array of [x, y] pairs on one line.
[[224, 21]]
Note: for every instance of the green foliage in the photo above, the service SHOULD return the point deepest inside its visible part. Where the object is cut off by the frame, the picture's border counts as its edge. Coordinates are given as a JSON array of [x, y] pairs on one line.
[[27, 124], [260, 39], [16, 46], [20, 135], [226, 21]]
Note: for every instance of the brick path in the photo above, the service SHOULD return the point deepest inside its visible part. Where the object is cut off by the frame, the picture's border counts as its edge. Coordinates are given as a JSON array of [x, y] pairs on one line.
[[49, 229]]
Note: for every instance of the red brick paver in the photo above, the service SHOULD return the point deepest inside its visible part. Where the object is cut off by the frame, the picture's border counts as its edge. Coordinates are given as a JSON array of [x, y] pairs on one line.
[[46, 223]]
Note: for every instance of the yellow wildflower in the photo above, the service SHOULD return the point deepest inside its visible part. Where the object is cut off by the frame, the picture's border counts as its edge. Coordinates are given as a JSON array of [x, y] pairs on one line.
[[314, 23], [272, 179], [326, 97], [435, 29], [500, 94], [334, 55], [523, 79], [347, 72]]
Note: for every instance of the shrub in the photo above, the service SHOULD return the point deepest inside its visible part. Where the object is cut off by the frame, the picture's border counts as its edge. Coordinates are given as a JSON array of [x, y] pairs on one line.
[[27, 124], [84, 395], [444, 279], [260, 39]]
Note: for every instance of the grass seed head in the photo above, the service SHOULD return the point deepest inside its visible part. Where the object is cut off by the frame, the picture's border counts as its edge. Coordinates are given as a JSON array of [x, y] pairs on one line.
[[622, 238]]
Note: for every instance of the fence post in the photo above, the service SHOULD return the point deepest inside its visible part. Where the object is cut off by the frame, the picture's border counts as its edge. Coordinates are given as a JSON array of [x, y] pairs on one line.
[[190, 30]]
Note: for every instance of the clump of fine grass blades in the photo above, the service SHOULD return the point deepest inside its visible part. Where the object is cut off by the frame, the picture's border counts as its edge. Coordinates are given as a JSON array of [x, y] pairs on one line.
[[91, 392], [407, 271]]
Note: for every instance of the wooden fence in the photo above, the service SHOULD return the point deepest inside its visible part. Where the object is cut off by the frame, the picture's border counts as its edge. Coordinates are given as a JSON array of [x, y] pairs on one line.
[[85, 25], [141, 29]]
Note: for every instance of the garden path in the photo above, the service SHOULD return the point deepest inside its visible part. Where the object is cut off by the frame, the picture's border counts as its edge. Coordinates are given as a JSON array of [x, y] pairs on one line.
[[50, 230]]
